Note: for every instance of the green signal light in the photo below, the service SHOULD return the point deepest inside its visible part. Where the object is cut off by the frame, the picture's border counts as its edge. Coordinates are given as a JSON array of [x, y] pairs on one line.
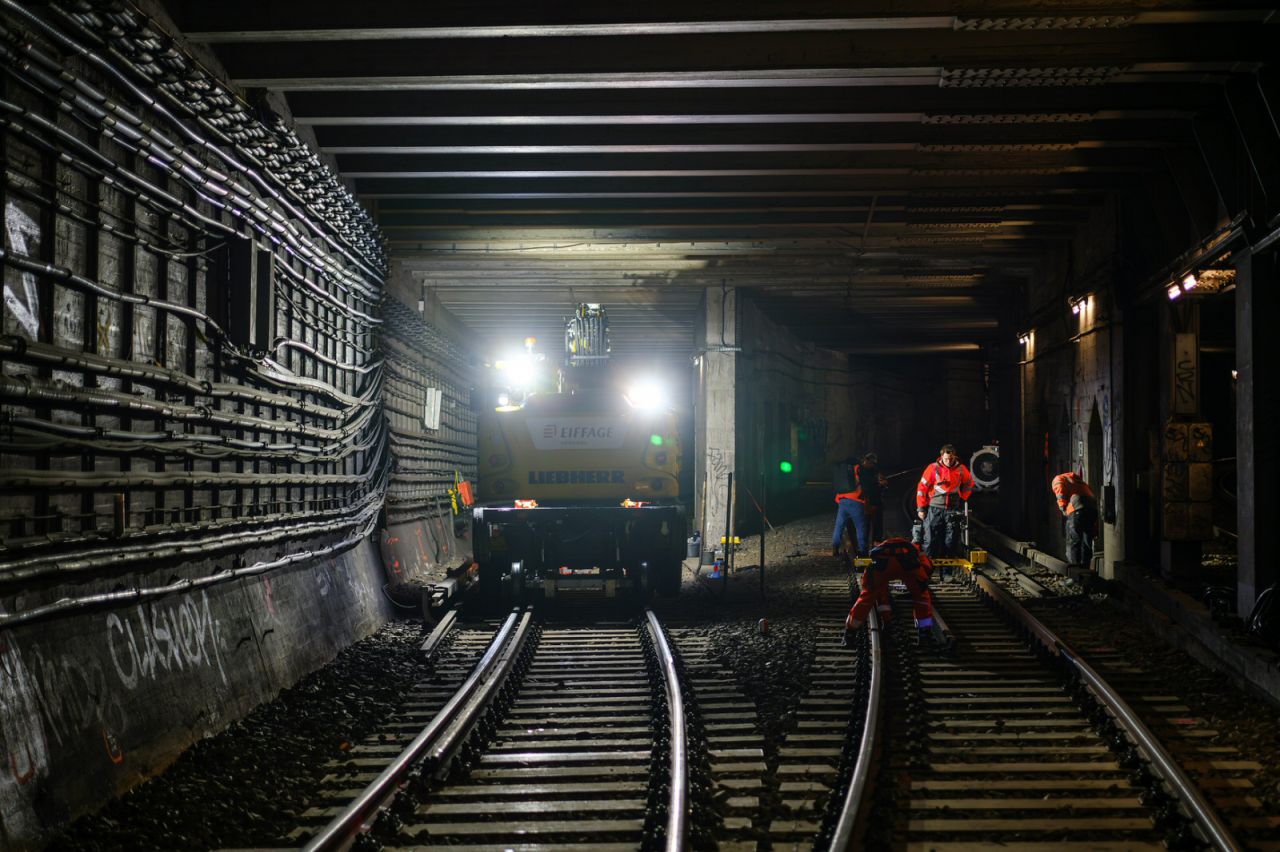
[[784, 466], [656, 440]]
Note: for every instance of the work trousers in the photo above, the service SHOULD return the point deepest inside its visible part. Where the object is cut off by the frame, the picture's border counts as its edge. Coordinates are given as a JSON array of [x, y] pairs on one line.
[[853, 512], [1082, 526], [943, 532], [875, 592]]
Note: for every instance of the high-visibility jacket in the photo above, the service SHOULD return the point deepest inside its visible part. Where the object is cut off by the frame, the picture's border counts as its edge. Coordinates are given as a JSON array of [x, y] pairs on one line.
[[944, 486], [867, 486], [894, 559], [1073, 493]]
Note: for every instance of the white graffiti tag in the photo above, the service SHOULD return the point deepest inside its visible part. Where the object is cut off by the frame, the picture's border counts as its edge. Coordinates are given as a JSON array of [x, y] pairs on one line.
[[23, 750], [167, 639], [24, 307]]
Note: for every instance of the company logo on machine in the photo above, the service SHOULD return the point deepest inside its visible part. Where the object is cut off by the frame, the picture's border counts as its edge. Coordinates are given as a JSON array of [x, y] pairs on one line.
[[576, 433], [576, 477]]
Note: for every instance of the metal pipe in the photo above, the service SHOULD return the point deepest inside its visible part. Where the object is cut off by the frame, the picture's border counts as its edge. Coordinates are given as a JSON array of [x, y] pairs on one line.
[[133, 134], [65, 605], [96, 59], [678, 799]]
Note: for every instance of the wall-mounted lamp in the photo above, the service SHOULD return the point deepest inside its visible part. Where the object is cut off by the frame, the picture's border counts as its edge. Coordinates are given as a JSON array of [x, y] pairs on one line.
[[1077, 303], [1188, 283], [1025, 337]]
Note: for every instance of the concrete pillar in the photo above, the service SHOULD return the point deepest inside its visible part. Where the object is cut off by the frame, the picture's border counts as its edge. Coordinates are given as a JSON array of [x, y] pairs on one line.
[[715, 418], [1257, 459]]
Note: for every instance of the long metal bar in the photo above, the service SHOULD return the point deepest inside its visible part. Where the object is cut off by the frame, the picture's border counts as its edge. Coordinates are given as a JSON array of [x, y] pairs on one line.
[[842, 837], [1182, 787], [441, 630], [678, 802], [341, 831]]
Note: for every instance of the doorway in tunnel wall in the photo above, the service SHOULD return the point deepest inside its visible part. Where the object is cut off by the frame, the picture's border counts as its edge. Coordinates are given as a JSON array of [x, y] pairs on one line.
[[1094, 456]]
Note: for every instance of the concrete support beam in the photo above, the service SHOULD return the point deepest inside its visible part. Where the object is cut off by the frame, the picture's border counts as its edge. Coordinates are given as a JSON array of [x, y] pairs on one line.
[[715, 445], [1257, 407]]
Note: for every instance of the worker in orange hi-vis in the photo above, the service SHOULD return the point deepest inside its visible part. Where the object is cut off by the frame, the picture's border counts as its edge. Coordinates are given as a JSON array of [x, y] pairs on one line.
[[893, 559], [941, 497], [1078, 505]]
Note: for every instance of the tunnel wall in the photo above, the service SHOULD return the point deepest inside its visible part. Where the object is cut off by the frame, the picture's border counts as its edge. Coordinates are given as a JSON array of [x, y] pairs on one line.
[[1072, 382], [99, 701], [814, 407], [792, 404], [431, 428], [194, 454], [906, 408]]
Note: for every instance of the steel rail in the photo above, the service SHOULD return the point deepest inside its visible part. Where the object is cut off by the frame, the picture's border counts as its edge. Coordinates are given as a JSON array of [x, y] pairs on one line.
[[678, 801], [342, 830], [1206, 819], [843, 835], [446, 746]]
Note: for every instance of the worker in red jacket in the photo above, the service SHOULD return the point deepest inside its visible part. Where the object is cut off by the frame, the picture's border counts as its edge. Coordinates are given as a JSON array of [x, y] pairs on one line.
[[860, 504], [893, 559], [943, 491], [1078, 505]]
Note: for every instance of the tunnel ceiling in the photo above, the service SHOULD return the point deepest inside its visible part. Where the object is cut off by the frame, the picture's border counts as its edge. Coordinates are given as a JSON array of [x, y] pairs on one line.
[[877, 172]]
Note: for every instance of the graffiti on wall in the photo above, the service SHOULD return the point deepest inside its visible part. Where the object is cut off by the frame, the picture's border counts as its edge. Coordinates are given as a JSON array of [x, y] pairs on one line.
[[21, 232], [24, 753], [1186, 374], [62, 697], [169, 639]]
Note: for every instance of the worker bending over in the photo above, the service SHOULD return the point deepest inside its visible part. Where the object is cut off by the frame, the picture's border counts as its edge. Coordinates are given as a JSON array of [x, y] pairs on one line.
[[941, 496], [1080, 508], [893, 559]]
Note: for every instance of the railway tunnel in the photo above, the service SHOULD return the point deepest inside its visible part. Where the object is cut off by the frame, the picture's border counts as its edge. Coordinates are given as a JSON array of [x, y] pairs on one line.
[[259, 258]]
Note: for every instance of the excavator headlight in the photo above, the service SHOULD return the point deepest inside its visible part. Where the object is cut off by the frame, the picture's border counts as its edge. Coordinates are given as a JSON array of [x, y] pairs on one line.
[[647, 394]]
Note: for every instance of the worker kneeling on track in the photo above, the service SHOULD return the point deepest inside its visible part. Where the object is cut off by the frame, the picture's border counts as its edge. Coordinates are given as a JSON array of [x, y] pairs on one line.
[[893, 559]]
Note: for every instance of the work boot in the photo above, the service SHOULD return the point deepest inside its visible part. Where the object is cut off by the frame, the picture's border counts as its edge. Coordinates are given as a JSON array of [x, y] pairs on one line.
[[924, 636], [835, 550], [849, 639]]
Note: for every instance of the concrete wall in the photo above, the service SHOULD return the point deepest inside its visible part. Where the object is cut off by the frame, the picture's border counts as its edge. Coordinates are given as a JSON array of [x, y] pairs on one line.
[[1072, 384], [793, 404], [97, 701], [813, 407]]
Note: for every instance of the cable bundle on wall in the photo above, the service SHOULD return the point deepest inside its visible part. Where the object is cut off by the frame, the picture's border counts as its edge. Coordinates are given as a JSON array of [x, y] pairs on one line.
[[189, 361], [420, 360]]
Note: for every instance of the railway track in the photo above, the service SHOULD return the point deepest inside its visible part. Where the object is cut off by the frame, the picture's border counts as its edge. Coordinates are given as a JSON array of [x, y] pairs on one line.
[[1222, 770], [582, 736], [1014, 741], [562, 734]]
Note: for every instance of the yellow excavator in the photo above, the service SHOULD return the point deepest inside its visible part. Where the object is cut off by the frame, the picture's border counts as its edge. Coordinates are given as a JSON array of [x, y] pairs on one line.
[[578, 488]]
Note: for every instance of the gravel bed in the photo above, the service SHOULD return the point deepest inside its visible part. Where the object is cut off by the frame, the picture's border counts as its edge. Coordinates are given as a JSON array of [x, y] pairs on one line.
[[245, 786], [1244, 721], [771, 667]]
